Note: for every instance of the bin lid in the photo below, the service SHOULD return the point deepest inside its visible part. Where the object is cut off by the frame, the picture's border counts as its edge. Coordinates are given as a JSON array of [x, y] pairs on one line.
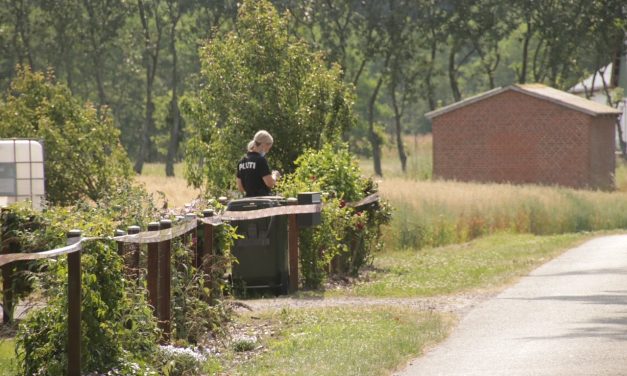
[[253, 203]]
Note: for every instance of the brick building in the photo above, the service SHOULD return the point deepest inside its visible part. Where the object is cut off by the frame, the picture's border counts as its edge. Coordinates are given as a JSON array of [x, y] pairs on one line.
[[525, 134]]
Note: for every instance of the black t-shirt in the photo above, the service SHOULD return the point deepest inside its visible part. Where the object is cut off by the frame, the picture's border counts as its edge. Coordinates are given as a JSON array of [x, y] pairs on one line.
[[251, 169]]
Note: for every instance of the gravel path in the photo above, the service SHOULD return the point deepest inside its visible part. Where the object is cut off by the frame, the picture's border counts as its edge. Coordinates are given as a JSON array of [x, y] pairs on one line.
[[458, 304]]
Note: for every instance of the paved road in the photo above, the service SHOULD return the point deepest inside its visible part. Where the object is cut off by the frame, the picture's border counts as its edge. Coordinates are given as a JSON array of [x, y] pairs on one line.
[[568, 317]]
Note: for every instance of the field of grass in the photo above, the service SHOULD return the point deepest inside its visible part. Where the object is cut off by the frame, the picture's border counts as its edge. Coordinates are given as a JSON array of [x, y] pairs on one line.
[[174, 189], [434, 213], [345, 341]]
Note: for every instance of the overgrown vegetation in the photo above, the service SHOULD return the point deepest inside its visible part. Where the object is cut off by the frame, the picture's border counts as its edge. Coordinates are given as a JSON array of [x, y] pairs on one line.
[[83, 155], [119, 330], [348, 236], [117, 324]]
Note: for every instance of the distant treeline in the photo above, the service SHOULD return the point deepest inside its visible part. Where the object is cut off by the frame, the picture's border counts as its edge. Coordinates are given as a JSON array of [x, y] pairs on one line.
[[138, 58]]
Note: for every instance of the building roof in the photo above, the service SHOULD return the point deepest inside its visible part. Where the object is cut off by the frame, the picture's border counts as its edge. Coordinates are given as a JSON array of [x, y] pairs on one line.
[[539, 91], [595, 82]]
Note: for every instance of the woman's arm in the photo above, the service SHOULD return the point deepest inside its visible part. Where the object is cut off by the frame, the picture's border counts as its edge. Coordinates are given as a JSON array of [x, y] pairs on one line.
[[269, 181]]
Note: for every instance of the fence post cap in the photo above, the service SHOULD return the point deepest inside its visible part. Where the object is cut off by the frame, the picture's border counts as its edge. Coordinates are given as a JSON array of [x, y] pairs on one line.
[[74, 233], [207, 213], [190, 216], [165, 223], [133, 229], [119, 232], [153, 226], [292, 201]]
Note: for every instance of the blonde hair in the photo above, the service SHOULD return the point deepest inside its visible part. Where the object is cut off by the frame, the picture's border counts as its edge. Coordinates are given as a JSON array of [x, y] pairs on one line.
[[251, 146], [263, 137]]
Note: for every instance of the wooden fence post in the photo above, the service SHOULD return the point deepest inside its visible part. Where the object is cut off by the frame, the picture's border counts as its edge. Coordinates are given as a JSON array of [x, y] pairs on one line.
[[165, 275], [74, 306], [204, 253], [117, 233], [7, 288], [135, 254], [192, 237], [292, 241], [152, 264]]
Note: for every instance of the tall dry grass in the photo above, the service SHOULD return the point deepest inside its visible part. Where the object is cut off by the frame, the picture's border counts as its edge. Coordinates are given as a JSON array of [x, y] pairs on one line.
[[174, 190], [433, 213]]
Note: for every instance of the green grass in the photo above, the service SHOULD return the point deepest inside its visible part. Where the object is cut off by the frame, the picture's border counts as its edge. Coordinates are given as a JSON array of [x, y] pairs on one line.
[[345, 341], [7, 357], [485, 263]]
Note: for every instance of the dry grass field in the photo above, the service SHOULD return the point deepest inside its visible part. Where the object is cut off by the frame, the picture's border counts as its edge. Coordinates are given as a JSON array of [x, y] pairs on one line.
[[174, 189]]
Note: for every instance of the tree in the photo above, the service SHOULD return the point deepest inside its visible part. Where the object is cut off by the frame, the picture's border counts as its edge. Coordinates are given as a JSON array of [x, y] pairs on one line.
[[175, 11], [256, 78], [104, 20], [151, 18], [83, 156], [402, 80]]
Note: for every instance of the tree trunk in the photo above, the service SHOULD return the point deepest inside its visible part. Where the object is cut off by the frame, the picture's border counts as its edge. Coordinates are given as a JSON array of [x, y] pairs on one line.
[[452, 74], [22, 30], [375, 141], [522, 77], [144, 145], [151, 56], [175, 115], [399, 133], [428, 81], [102, 98]]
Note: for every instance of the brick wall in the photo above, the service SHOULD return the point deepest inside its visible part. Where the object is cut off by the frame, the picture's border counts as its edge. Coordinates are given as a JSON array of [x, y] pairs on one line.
[[514, 137]]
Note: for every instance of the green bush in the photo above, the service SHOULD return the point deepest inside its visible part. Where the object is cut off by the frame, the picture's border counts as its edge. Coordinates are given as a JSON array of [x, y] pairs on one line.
[[83, 155], [117, 324], [347, 237]]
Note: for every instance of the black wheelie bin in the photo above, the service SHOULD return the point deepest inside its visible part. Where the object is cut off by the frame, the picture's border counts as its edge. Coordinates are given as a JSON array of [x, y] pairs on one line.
[[262, 253]]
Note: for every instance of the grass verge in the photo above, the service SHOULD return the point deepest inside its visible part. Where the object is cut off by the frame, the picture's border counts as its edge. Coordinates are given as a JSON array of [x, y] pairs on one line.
[[487, 262], [7, 357], [345, 341]]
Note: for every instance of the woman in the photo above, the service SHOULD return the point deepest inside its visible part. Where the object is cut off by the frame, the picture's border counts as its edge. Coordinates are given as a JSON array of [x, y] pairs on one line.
[[254, 176]]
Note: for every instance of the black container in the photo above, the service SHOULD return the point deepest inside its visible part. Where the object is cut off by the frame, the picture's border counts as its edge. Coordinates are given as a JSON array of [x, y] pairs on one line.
[[309, 219], [262, 253]]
